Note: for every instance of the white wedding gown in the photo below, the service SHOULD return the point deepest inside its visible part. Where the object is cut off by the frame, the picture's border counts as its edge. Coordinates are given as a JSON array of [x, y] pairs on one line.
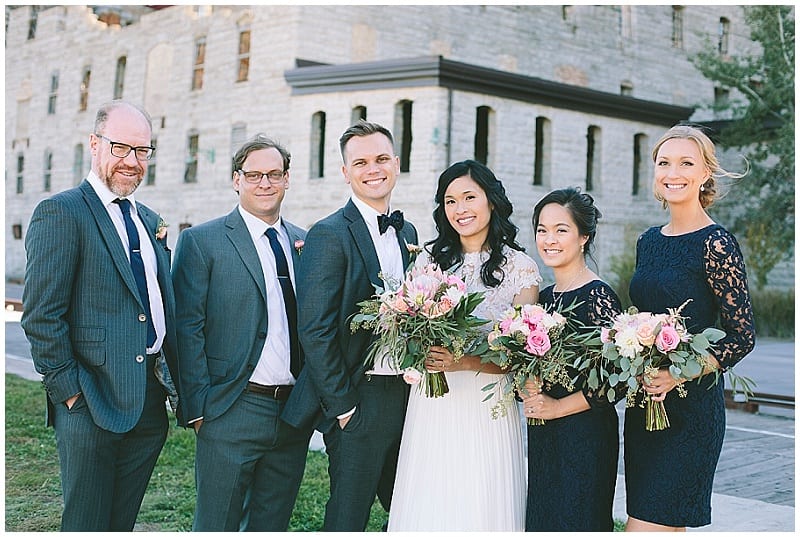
[[460, 469]]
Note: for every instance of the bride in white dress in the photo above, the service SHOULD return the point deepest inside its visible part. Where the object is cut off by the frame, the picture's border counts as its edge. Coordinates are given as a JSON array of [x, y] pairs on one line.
[[460, 469]]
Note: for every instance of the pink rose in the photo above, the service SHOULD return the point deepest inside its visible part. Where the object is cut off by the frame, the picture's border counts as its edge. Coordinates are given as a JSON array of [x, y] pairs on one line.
[[412, 376], [645, 334], [667, 339], [538, 343], [298, 245]]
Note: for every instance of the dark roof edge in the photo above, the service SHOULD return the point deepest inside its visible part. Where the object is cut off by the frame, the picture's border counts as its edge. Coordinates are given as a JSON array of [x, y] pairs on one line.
[[435, 70]]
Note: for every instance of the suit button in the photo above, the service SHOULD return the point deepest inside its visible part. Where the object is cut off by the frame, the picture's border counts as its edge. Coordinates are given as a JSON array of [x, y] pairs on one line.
[[140, 359], [142, 317]]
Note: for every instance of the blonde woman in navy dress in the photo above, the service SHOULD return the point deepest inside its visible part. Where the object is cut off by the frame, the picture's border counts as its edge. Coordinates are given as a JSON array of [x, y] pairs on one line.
[[669, 474]]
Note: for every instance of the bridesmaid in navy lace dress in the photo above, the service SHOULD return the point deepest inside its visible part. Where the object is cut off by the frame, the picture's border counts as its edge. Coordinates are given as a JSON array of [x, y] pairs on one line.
[[572, 458], [669, 474]]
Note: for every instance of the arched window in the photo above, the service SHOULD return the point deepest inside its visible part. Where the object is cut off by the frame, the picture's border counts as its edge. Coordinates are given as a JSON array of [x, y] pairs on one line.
[[317, 164], [119, 77], [481, 143], [192, 148], [541, 162], [51, 100], [358, 113], [592, 158], [402, 132], [199, 63], [724, 35], [84, 93], [639, 163]]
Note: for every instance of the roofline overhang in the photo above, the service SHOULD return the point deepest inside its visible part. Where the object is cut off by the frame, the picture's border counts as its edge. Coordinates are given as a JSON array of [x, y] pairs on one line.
[[423, 71]]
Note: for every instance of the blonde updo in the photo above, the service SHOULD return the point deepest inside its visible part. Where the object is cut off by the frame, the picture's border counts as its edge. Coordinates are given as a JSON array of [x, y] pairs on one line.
[[707, 149]]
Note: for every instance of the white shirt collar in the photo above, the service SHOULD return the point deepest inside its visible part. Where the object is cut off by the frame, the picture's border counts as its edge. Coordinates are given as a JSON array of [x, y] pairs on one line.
[[369, 214], [258, 227], [104, 193]]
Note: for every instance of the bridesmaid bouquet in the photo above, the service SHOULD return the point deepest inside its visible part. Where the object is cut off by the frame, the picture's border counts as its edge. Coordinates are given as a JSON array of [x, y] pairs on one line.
[[532, 343], [639, 344], [430, 307]]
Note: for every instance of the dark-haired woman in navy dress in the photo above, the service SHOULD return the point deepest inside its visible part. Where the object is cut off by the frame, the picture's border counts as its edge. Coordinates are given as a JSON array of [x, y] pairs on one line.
[[572, 458], [669, 473]]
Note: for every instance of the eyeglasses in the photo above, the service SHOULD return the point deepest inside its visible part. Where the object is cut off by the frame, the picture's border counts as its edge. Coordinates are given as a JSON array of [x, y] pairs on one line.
[[274, 177], [120, 150]]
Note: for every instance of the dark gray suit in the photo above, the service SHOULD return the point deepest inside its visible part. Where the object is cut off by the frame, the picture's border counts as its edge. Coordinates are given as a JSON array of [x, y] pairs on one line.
[[83, 318], [340, 268], [249, 464]]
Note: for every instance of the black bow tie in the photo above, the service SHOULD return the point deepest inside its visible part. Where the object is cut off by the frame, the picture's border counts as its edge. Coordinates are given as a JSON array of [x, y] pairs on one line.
[[395, 220]]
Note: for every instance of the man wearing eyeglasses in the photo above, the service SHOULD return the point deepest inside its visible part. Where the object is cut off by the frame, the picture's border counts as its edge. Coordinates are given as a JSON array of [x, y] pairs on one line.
[[239, 353], [99, 315]]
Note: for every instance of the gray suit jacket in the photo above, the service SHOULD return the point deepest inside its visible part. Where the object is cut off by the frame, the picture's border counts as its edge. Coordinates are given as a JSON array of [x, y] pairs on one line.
[[82, 307], [340, 268], [222, 312]]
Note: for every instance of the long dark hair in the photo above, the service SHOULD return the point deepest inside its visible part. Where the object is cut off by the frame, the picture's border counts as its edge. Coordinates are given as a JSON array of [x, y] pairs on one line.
[[446, 247]]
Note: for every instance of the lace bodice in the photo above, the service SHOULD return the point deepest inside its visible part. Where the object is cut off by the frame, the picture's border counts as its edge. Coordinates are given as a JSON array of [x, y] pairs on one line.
[[706, 266], [520, 272]]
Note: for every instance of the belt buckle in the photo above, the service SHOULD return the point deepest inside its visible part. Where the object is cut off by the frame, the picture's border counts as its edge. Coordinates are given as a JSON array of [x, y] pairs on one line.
[[275, 395]]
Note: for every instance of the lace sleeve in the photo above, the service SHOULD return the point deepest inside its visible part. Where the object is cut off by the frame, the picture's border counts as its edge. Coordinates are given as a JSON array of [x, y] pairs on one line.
[[727, 278], [523, 270], [604, 305]]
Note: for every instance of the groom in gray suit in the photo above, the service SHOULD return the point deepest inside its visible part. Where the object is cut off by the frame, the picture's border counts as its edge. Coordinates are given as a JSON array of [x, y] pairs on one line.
[[239, 352], [99, 313], [359, 408]]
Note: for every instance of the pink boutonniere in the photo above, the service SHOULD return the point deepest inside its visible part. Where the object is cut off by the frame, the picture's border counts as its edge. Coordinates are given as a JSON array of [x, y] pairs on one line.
[[161, 229], [298, 245]]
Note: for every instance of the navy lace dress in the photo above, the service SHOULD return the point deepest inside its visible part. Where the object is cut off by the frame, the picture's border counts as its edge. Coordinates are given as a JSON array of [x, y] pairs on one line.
[[669, 474], [572, 461]]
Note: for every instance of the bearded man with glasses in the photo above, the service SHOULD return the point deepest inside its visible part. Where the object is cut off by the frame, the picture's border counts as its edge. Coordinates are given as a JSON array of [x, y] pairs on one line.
[[100, 315]]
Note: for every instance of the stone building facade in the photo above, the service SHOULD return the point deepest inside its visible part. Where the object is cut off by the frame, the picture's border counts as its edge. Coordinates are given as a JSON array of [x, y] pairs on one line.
[[549, 96]]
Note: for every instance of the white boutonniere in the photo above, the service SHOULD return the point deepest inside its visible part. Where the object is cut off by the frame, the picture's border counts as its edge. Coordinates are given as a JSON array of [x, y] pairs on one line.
[[161, 229], [413, 251], [298, 245]]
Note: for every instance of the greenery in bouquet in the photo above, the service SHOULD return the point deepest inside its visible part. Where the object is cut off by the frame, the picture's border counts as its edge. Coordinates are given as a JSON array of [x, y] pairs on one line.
[[639, 344], [533, 342], [429, 307]]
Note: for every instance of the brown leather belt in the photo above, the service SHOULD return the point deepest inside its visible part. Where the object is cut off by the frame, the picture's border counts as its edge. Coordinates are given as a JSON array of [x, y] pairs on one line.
[[281, 393]]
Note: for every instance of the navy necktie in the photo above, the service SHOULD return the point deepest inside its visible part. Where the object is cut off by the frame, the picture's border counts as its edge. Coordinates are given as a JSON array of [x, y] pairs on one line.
[[138, 266], [289, 301], [395, 220]]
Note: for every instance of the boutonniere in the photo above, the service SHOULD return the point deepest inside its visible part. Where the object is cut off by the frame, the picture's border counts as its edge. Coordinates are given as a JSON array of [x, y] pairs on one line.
[[161, 229], [413, 251], [298, 245]]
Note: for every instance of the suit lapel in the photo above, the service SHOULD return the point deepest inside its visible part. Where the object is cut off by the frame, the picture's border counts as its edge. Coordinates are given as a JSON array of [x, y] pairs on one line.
[[363, 241], [243, 244], [110, 236]]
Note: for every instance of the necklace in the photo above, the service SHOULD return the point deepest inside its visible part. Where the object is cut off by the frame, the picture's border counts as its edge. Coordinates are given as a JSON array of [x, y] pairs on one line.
[[574, 279]]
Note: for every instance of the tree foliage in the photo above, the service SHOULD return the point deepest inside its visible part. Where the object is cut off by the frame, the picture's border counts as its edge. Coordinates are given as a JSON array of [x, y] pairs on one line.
[[760, 207]]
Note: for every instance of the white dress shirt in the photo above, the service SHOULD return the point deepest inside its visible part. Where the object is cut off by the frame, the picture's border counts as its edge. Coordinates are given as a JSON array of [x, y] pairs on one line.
[[148, 253], [273, 365], [391, 260]]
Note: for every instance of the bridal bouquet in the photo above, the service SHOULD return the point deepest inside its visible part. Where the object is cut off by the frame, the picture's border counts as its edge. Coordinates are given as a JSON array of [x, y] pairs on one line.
[[531, 342], [430, 307], [639, 344]]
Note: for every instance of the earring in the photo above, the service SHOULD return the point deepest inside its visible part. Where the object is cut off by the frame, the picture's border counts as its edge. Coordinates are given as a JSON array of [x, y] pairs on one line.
[[581, 248], [702, 188]]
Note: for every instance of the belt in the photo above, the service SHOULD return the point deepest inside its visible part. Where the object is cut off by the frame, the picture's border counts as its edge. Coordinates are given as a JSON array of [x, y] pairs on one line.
[[281, 392]]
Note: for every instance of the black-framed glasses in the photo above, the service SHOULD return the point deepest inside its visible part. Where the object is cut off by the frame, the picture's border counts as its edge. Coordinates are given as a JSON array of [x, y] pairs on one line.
[[120, 150], [275, 177]]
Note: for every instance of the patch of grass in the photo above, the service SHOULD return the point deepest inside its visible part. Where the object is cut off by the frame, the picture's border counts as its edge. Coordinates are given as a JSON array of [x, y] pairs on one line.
[[773, 310], [33, 487]]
